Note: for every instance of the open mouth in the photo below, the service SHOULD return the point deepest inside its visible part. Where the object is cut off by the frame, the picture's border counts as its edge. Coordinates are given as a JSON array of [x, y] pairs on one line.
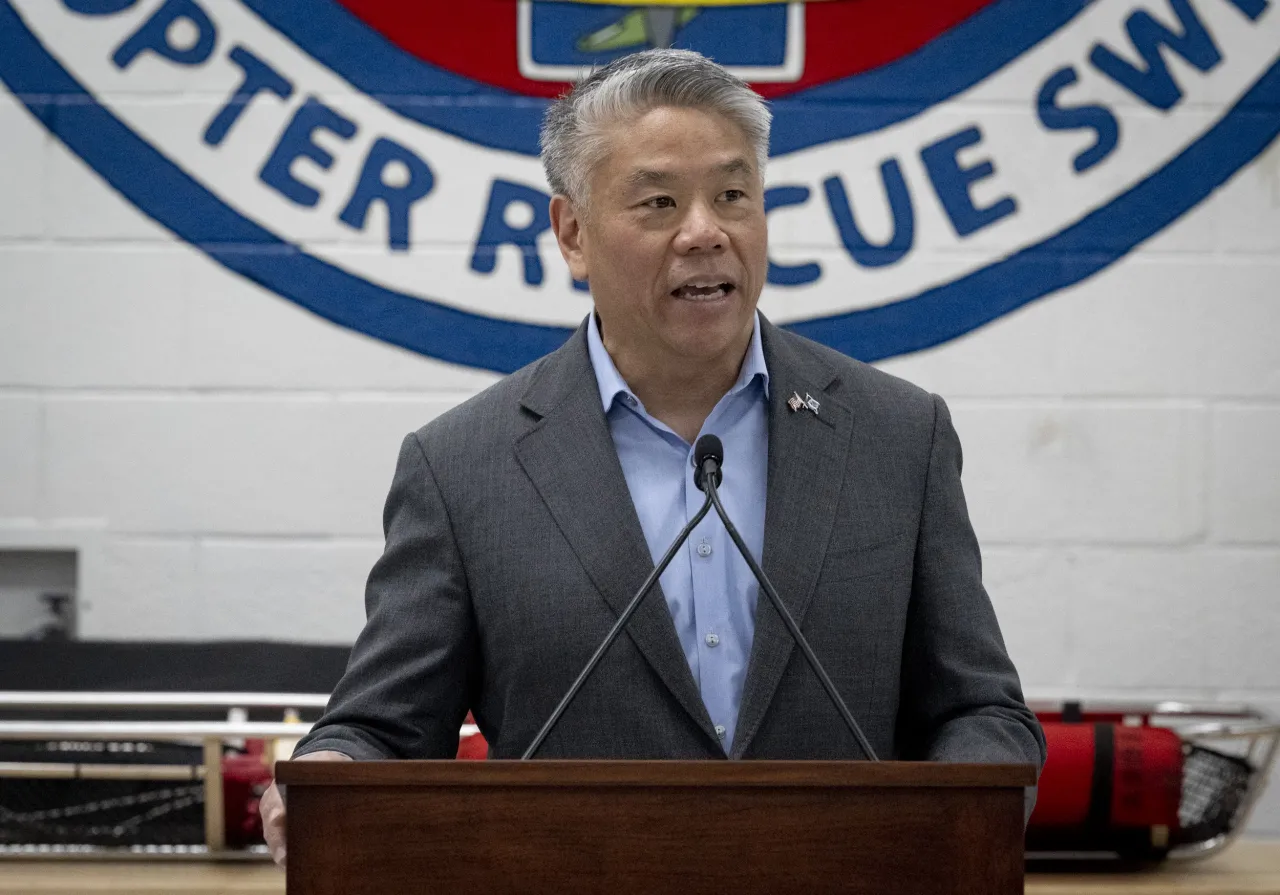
[[703, 291]]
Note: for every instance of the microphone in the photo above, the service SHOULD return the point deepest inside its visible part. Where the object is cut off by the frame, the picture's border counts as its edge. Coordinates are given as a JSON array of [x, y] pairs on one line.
[[623, 618], [708, 457]]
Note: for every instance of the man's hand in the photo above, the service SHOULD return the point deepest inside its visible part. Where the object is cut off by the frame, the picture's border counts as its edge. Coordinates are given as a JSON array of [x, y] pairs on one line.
[[272, 807]]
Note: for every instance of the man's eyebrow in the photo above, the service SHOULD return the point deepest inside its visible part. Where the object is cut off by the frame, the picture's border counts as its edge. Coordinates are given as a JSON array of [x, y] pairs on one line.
[[646, 177], [737, 166], [650, 177]]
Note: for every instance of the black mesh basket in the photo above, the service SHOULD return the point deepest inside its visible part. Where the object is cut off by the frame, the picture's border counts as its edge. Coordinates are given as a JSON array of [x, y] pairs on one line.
[[75, 812], [1214, 787], [115, 813]]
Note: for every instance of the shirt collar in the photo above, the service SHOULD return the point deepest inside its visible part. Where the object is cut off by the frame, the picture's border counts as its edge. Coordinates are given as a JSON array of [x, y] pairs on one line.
[[612, 385]]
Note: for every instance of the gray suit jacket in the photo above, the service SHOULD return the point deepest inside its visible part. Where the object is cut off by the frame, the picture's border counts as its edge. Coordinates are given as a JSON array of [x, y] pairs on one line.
[[512, 545]]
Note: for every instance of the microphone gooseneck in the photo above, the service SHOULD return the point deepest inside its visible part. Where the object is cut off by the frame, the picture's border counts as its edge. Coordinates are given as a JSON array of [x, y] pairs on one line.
[[708, 457], [711, 483], [617, 628]]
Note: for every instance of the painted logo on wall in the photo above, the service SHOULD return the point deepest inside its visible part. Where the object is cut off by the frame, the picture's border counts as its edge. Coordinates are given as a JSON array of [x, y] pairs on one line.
[[934, 165]]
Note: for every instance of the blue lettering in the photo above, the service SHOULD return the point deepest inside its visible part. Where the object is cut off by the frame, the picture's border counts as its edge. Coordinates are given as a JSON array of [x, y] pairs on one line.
[[953, 183], [298, 141], [1068, 118], [154, 34], [258, 76], [98, 7], [399, 199], [1251, 8], [789, 274], [863, 252], [495, 231], [1153, 84]]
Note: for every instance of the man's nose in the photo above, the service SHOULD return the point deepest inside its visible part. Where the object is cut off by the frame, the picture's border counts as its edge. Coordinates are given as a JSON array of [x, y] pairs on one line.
[[700, 231]]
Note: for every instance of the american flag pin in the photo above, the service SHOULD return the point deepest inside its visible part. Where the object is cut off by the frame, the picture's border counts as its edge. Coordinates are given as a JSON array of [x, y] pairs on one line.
[[795, 402], [811, 402]]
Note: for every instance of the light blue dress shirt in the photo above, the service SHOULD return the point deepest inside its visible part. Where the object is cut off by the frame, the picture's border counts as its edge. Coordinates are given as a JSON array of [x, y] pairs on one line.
[[709, 588]]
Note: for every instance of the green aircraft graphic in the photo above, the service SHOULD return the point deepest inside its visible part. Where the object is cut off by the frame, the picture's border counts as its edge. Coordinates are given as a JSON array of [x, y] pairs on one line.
[[653, 26]]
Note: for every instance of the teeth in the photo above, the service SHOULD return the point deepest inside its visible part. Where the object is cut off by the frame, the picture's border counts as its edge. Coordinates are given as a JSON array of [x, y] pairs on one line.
[[697, 291]]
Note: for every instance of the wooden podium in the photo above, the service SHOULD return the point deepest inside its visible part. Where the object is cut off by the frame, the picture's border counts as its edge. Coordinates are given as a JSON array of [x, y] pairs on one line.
[[654, 827]]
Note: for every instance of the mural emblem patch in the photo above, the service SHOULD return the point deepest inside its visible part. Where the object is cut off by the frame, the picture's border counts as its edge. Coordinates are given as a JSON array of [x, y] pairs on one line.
[[376, 161]]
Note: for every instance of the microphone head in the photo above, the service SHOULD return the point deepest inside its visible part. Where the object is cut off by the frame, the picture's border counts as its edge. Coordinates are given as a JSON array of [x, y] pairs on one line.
[[708, 454], [708, 446]]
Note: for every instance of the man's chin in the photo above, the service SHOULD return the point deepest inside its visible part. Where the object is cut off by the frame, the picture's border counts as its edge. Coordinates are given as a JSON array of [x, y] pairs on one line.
[[710, 348]]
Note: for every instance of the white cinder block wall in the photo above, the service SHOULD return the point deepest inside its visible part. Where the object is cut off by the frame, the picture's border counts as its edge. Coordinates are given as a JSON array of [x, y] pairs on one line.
[[219, 457]]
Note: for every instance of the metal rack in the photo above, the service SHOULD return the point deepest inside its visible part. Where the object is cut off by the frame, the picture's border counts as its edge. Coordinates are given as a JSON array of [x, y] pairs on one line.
[[210, 736], [1230, 733]]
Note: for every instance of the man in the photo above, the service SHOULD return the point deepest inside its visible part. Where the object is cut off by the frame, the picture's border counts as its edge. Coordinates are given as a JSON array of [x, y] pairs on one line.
[[520, 523]]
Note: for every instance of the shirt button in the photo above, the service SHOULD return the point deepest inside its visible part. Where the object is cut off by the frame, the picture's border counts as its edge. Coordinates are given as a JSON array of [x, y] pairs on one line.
[[630, 399], [720, 731], [704, 548], [713, 640]]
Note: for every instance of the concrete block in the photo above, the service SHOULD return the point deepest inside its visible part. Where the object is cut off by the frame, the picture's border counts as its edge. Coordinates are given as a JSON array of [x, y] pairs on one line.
[[1135, 330], [95, 317], [1148, 326], [1250, 223], [142, 589], [1030, 590], [24, 151], [1241, 318], [1241, 624], [290, 465], [1138, 620], [295, 592], [250, 337], [21, 442], [1193, 234], [82, 205], [126, 462], [102, 316], [1193, 622], [364, 444], [1117, 473], [1244, 483]]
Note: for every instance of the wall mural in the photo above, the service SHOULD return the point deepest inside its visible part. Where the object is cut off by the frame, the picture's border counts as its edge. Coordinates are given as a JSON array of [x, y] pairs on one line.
[[934, 165]]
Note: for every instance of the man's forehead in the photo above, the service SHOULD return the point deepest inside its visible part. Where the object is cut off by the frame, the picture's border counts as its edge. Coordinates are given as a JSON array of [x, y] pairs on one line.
[[649, 174]]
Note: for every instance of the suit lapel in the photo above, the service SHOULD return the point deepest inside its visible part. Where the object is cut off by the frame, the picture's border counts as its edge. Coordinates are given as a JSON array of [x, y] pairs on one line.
[[571, 460], [807, 460]]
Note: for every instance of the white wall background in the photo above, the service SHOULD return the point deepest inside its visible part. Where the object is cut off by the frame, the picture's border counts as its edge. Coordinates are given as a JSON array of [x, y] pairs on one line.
[[219, 457]]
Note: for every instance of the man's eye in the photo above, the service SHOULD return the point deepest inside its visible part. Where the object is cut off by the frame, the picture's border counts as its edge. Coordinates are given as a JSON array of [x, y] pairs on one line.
[[661, 202], [735, 195]]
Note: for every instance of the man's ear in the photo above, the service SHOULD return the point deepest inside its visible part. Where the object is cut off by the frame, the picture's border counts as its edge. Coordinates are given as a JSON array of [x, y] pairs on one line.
[[567, 225]]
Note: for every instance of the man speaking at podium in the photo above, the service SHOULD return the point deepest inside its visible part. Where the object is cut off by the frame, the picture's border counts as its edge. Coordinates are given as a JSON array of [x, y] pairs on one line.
[[520, 524]]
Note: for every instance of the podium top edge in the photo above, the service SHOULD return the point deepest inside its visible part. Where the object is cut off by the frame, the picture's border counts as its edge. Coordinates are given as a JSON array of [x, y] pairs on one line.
[[556, 773]]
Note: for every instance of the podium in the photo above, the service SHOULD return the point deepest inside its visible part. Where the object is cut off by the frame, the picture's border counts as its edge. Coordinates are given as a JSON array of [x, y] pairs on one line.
[[654, 827]]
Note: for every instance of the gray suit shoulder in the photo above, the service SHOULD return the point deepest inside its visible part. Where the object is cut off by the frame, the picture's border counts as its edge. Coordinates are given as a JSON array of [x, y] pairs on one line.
[[471, 432], [868, 389]]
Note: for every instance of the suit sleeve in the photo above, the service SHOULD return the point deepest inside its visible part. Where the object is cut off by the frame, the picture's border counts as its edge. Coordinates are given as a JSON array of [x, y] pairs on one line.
[[962, 700], [413, 668]]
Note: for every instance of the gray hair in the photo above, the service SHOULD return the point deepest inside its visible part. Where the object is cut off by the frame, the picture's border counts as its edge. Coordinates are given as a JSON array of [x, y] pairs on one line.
[[573, 129]]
